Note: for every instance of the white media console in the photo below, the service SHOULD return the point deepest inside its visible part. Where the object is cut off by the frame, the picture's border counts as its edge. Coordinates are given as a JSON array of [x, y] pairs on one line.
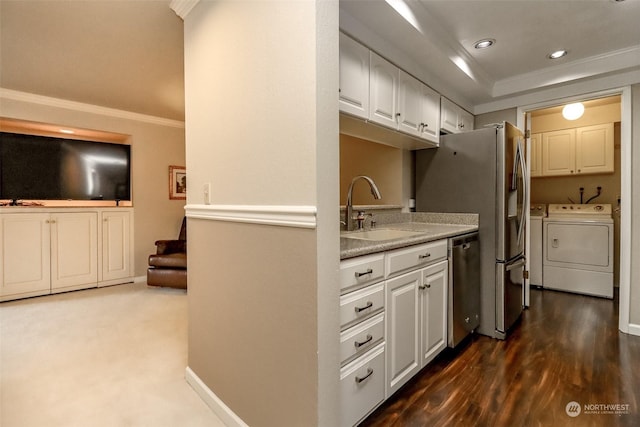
[[46, 250]]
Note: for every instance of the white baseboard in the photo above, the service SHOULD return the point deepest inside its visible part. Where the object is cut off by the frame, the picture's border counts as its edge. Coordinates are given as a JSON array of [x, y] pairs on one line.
[[634, 329], [139, 279], [228, 417]]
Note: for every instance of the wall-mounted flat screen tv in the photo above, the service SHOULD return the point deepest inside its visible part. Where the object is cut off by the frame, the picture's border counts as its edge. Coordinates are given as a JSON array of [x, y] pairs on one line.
[[47, 168]]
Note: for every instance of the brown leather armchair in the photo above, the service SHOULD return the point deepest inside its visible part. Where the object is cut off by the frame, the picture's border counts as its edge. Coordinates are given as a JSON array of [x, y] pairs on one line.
[[168, 266]]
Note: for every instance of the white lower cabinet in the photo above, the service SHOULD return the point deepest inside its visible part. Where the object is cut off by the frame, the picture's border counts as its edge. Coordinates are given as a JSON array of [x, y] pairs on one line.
[[26, 258], [361, 386], [116, 246], [47, 250], [390, 329], [403, 317], [416, 311], [74, 250], [432, 298]]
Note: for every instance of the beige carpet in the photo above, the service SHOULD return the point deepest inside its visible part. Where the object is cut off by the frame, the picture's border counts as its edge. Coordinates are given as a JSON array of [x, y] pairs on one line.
[[113, 356]]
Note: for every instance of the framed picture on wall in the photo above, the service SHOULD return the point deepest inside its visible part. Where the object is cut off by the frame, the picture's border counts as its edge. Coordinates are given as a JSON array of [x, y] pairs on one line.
[[177, 182]]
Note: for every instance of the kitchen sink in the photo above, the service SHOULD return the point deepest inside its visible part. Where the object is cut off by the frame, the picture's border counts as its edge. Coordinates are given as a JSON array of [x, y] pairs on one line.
[[382, 234]]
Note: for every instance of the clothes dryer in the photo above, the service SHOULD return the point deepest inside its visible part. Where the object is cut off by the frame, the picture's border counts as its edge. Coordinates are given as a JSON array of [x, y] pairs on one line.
[[578, 249]]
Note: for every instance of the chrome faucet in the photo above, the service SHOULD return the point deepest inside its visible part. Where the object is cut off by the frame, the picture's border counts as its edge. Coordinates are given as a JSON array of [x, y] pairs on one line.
[[349, 208]]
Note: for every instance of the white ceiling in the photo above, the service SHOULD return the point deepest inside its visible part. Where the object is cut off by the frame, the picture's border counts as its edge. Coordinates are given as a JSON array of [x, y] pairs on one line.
[[602, 37], [126, 55], [129, 54]]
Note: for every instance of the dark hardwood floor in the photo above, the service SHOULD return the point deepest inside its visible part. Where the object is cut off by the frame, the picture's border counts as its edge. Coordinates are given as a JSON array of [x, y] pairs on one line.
[[566, 348]]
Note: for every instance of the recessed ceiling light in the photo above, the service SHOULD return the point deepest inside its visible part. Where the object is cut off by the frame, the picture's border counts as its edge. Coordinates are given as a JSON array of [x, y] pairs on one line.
[[557, 54], [484, 43]]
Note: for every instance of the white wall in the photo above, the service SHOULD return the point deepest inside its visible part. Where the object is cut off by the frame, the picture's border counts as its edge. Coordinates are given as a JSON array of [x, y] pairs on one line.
[[261, 80]]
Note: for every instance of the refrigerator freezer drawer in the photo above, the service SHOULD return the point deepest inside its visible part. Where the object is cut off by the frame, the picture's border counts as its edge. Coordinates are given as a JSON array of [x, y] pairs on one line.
[[509, 282]]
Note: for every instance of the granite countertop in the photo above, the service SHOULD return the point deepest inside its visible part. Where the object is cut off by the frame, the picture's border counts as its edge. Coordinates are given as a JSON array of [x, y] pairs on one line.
[[427, 226]]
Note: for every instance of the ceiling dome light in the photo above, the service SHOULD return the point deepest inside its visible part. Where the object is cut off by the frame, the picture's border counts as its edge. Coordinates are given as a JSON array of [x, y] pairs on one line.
[[573, 111], [557, 54], [484, 43]]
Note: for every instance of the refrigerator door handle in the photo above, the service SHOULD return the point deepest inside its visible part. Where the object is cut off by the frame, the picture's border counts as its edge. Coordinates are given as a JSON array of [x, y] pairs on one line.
[[523, 166], [516, 264]]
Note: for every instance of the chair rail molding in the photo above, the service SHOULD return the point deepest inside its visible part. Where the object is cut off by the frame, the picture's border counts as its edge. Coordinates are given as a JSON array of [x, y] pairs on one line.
[[285, 216]]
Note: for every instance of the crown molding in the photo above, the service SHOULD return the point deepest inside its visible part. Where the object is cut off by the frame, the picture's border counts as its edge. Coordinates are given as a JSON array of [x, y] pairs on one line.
[[578, 88], [286, 216], [32, 98], [609, 62], [183, 7]]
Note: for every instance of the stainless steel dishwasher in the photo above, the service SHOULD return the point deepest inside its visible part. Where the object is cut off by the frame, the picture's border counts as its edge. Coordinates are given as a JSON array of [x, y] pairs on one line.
[[464, 287]]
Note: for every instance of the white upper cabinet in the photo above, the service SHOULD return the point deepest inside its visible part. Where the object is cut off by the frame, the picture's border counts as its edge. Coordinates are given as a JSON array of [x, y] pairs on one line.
[[354, 77], [430, 125], [558, 152], [583, 150], [383, 92], [594, 149], [373, 89], [536, 155], [454, 119], [409, 104]]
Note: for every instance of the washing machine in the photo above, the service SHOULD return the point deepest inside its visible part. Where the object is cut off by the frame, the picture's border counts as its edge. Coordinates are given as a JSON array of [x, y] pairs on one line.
[[537, 212], [578, 249]]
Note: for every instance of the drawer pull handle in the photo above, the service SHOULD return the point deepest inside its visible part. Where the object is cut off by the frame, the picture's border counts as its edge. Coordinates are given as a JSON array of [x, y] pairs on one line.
[[427, 255], [359, 275], [369, 305], [360, 344], [369, 373]]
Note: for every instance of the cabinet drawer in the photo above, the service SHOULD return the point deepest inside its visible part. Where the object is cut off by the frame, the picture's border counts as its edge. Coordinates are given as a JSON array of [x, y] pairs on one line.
[[360, 271], [361, 337], [361, 304], [361, 386], [414, 256]]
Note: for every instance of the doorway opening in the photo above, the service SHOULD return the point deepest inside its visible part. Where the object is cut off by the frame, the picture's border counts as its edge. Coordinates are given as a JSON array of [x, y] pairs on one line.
[[563, 172]]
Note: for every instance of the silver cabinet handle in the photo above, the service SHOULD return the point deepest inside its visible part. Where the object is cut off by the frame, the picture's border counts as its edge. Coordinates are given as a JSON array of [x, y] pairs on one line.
[[359, 309], [427, 255], [359, 275], [360, 344], [369, 373]]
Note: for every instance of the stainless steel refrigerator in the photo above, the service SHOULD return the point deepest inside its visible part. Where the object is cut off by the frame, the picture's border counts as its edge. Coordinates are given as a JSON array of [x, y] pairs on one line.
[[483, 171]]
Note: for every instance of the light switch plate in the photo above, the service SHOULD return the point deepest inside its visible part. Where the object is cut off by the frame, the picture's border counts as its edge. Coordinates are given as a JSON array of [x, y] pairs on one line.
[[206, 190]]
